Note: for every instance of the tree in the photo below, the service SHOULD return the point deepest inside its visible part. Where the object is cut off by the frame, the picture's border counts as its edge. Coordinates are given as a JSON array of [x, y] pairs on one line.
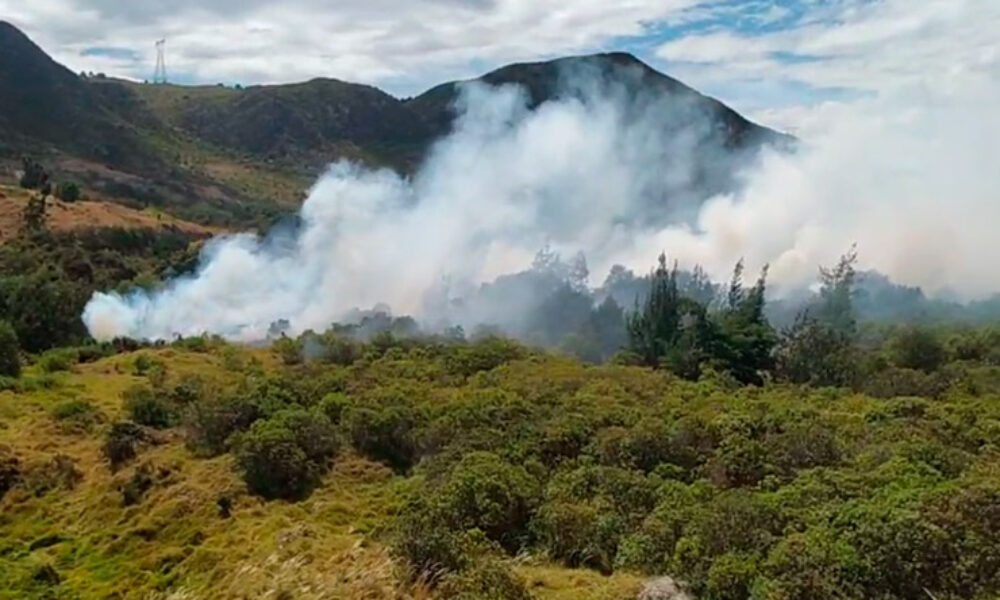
[[836, 294], [748, 340], [10, 351], [652, 330], [33, 175], [819, 347], [812, 352], [33, 215]]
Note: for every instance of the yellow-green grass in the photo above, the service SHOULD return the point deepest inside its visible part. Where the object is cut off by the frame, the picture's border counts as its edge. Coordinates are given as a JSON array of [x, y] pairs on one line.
[[176, 543]]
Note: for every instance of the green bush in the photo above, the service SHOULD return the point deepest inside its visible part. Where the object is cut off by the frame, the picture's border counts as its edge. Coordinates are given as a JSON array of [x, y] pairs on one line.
[[919, 349], [68, 191], [10, 351], [285, 456], [485, 492], [77, 414], [385, 434], [482, 355], [289, 350], [488, 579], [210, 422], [149, 407], [144, 364], [58, 360]]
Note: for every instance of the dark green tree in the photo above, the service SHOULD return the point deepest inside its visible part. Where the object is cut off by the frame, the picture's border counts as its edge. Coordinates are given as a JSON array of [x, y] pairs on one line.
[[33, 175], [10, 351], [747, 343], [653, 328]]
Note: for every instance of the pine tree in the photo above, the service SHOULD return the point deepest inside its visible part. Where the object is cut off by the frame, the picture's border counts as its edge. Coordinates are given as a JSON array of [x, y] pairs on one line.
[[652, 330], [748, 340]]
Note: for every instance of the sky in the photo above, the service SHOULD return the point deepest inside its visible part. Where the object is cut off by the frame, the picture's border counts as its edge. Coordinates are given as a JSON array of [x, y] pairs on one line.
[[779, 61]]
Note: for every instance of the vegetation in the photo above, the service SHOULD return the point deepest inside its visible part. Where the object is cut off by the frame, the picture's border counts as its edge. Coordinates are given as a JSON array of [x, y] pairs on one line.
[[10, 351], [46, 278], [492, 451]]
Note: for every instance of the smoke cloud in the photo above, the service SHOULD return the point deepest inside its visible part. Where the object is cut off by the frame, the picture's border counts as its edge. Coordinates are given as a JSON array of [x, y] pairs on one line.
[[912, 179]]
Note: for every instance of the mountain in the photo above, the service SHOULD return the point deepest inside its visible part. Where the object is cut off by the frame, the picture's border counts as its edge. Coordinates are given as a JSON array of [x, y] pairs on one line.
[[241, 156], [45, 103], [638, 84]]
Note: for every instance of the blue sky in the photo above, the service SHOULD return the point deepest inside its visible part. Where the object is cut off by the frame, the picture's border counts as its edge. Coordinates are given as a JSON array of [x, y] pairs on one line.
[[775, 59]]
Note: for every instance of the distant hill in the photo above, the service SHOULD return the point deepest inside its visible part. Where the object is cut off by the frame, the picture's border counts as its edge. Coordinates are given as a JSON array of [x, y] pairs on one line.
[[240, 156]]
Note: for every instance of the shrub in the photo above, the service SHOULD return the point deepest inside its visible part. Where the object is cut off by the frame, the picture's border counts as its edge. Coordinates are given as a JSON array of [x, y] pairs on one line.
[[918, 348], [210, 422], [730, 577], [487, 579], [122, 442], [334, 406], [385, 434], [812, 352], [77, 414], [432, 550], [59, 472], [144, 364], [137, 485], [33, 175], [149, 407], [485, 492], [10, 470], [285, 456], [10, 351], [289, 350], [341, 350], [68, 191], [58, 360], [483, 355], [894, 382]]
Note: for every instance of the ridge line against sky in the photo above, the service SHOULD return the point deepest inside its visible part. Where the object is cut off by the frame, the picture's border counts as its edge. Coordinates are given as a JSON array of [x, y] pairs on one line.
[[775, 60]]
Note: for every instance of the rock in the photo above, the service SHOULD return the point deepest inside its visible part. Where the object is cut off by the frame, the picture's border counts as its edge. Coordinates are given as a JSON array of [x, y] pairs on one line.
[[664, 588]]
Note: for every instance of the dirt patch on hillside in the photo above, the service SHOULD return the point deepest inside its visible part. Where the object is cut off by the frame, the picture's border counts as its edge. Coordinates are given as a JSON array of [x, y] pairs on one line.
[[87, 214]]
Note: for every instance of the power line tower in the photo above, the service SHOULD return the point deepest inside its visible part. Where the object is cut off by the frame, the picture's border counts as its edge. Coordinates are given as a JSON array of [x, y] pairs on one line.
[[160, 74]]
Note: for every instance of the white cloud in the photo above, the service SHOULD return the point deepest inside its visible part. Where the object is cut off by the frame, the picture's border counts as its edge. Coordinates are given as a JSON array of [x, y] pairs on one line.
[[375, 41], [859, 45]]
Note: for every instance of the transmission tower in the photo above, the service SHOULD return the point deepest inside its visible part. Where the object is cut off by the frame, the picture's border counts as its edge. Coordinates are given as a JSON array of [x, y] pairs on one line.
[[160, 74]]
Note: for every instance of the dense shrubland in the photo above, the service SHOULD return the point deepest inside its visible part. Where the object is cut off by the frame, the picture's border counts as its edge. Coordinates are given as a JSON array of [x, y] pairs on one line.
[[782, 490], [832, 457]]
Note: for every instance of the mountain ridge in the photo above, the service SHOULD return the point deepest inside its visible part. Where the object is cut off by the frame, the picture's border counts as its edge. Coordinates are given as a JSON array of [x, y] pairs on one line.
[[235, 156]]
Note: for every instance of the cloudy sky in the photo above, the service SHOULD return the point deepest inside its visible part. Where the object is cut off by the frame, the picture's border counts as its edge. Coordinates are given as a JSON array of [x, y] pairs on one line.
[[777, 60]]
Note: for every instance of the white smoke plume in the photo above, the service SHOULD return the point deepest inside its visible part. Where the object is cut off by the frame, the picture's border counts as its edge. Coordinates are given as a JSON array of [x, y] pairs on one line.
[[912, 179]]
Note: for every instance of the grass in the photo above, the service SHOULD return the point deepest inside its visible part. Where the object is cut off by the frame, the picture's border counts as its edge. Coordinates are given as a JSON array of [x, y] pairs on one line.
[[176, 543]]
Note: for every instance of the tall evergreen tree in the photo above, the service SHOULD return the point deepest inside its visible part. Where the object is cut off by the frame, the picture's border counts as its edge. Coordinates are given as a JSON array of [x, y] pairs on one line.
[[652, 329], [747, 340]]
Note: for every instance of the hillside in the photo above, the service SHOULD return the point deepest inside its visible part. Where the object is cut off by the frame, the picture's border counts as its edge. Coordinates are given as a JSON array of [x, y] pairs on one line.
[[492, 470], [64, 217], [240, 157]]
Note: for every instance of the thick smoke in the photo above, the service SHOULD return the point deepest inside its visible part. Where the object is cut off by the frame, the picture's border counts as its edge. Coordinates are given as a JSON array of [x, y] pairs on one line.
[[912, 180]]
